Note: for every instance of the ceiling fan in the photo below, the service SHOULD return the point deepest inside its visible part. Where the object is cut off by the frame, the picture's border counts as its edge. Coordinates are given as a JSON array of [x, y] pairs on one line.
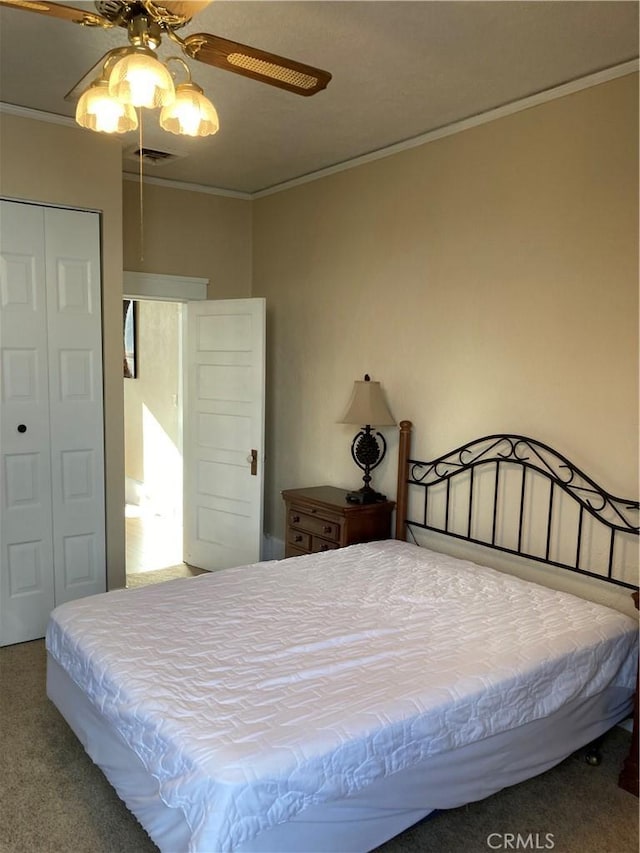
[[147, 21]]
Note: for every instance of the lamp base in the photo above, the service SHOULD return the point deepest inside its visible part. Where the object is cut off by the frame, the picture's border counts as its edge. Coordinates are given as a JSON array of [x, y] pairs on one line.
[[365, 495]]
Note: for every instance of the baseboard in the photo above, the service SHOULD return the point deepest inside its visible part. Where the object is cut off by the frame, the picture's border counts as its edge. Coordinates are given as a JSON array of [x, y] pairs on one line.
[[272, 548]]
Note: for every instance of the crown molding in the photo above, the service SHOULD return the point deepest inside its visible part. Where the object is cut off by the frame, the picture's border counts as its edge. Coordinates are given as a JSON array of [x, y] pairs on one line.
[[184, 185], [570, 88], [36, 115], [465, 124]]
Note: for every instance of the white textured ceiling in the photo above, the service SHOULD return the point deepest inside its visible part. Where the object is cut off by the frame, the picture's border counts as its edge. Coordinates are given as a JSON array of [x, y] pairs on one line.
[[400, 70]]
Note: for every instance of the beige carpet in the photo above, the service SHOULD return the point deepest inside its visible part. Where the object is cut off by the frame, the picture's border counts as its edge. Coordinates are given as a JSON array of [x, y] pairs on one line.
[[138, 579], [54, 800]]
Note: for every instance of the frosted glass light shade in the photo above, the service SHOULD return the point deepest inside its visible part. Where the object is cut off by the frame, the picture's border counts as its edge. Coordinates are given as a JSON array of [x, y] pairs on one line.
[[98, 111], [367, 406], [191, 114], [141, 80]]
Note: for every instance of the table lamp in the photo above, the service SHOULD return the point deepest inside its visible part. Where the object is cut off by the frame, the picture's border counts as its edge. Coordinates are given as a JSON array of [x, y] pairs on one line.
[[367, 408]]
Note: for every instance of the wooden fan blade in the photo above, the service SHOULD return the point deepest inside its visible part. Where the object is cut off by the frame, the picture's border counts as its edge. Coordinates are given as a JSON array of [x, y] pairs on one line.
[[182, 8], [257, 64], [55, 10]]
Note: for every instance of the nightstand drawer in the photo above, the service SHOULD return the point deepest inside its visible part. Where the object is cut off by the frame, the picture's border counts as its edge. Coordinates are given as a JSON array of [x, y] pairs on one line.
[[318, 545], [314, 524], [299, 539]]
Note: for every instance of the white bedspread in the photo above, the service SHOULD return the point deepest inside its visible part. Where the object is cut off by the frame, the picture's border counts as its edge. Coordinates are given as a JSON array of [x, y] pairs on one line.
[[254, 692]]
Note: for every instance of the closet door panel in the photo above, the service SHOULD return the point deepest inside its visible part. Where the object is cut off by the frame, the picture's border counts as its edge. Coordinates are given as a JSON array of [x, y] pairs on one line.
[[26, 551], [76, 407]]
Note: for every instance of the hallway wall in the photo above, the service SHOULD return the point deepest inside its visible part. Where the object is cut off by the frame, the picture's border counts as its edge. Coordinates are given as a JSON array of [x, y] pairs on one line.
[[151, 401]]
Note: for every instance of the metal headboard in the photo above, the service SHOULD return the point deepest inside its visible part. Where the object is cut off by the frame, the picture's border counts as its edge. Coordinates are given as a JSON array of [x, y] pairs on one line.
[[491, 455]]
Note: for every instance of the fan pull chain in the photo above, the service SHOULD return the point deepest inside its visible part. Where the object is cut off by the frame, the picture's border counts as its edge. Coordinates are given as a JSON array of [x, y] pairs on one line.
[[140, 150]]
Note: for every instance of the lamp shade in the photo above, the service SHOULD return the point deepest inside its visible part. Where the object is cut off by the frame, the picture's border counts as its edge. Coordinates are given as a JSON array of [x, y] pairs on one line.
[[191, 113], [97, 110], [367, 405], [140, 79]]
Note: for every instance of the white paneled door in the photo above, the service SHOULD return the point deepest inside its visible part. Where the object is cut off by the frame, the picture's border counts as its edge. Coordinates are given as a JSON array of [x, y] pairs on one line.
[[223, 439], [52, 529]]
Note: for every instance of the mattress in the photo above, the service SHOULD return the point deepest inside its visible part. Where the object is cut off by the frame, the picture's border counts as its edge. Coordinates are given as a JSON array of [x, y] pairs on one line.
[[256, 694]]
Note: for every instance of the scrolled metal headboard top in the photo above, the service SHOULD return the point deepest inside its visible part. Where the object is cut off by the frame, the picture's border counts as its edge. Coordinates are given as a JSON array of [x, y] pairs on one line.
[[499, 453], [612, 511]]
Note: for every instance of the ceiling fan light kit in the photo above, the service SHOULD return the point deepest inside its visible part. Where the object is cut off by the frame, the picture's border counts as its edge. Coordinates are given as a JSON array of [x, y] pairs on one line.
[[139, 80], [134, 77]]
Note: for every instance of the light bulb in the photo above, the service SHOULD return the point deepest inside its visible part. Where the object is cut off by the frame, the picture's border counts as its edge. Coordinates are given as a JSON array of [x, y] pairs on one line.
[[189, 117], [191, 114]]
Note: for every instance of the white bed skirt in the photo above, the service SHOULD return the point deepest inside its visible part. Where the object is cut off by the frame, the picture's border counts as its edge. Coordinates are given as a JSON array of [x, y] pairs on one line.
[[377, 813]]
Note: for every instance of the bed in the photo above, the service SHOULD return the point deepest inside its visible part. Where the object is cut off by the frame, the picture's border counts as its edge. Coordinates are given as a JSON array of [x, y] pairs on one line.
[[327, 702]]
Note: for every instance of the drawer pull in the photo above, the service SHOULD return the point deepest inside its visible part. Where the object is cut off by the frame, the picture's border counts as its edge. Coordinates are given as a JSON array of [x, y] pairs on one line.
[[328, 528], [324, 547], [296, 519], [297, 538]]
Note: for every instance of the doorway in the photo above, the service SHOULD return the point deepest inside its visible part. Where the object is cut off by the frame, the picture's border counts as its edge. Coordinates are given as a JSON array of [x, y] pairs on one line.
[[153, 435], [220, 411], [153, 423]]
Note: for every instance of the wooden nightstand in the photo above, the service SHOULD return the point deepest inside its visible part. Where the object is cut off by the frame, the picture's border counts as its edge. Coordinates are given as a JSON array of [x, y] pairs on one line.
[[320, 519]]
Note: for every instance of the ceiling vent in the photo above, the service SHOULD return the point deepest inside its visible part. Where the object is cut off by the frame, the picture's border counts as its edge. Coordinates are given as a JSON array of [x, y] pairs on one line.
[[152, 156]]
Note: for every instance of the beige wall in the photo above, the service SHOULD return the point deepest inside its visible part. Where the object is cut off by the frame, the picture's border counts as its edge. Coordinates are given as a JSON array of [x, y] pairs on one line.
[[70, 167], [489, 280], [189, 234]]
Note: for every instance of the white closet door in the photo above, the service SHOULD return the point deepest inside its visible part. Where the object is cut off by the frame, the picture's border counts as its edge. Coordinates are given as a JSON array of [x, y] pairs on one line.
[[52, 531], [26, 534], [74, 323]]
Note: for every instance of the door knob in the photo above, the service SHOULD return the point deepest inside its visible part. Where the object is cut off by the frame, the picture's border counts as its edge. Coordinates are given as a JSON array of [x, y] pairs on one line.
[[22, 428]]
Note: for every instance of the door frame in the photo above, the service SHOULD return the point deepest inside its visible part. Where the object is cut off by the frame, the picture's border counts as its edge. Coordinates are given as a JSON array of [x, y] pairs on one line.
[[163, 288]]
